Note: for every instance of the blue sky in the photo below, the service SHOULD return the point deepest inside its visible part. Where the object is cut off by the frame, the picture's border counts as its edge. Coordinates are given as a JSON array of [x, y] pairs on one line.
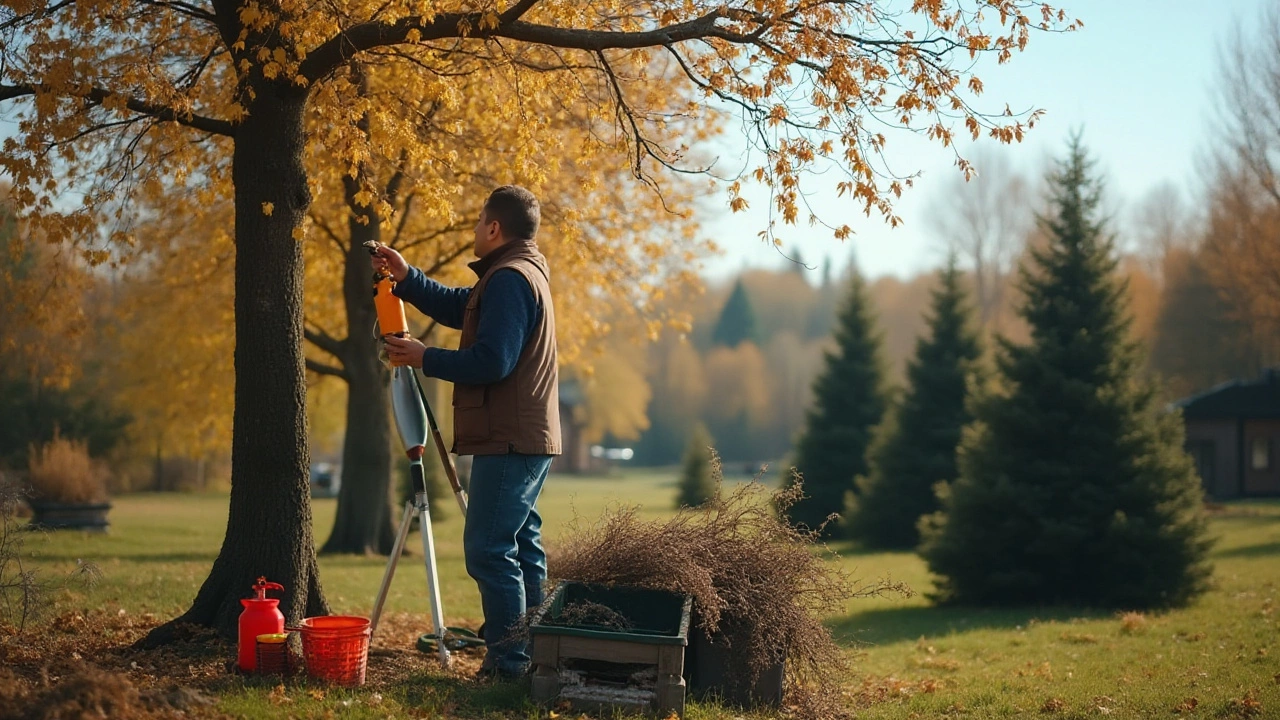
[[1138, 79]]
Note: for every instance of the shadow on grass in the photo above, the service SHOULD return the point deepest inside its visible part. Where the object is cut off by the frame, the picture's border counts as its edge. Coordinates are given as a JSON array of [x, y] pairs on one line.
[[1251, 551], [890, 625], [175, 557], [1253, 510], [451, 696], [1245, 520]]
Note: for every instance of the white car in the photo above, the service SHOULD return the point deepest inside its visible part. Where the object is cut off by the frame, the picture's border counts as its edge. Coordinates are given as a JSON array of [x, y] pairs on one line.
[[326, 479]]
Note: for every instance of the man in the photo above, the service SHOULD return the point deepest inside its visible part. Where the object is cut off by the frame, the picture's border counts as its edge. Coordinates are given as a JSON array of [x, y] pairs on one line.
[[505, 406]]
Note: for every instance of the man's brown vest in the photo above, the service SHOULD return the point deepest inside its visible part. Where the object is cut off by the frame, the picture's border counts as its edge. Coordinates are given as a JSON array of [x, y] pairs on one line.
[[521, 412]]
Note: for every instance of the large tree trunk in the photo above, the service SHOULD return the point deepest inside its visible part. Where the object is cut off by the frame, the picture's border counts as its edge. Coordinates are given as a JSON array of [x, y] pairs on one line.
[[269, 524], [363, 523]]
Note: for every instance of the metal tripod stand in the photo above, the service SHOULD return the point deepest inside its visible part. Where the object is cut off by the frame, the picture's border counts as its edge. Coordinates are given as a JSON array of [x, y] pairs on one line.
[[414, 420]]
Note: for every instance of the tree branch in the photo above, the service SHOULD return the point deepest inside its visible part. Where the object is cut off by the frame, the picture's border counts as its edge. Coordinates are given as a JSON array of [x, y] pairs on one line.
[[27, 17], [423, 239], [192, 75], [320, 223], [337, 50], [227, 17], [626, 116], [392, 191], [97, 96], [324, 341], [319, 367], [366, 36], [183, 8], [578, 39], [404, 218], [515, 12], [441, 262]]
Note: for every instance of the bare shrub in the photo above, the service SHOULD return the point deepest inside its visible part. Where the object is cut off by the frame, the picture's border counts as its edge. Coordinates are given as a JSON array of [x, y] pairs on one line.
[[587, 613], [757, 583], [1133, 623], [20, 590], [62, 471]]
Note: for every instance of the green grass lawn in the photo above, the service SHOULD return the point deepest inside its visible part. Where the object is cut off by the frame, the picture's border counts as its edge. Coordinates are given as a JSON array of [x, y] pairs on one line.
[[1218, 658]]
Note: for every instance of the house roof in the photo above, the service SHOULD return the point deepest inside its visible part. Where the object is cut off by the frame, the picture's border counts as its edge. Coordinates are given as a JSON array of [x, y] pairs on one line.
[[1248, 399]]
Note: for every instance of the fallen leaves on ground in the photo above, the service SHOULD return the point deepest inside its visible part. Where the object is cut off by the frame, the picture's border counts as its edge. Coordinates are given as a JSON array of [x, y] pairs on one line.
[[1053, 705], [82, 664], [1245, 707]]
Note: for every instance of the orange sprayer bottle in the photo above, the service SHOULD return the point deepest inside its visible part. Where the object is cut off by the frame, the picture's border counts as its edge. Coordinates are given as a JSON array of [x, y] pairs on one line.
[[260, 617], [391, 319]]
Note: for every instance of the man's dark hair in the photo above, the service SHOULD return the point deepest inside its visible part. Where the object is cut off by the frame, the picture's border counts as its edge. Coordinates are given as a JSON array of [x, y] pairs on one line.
[[517, 211]]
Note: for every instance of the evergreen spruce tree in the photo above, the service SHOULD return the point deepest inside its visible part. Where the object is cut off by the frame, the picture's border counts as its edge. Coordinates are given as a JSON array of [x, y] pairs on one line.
[[697, 485], [737, 323], [917, 448], [822, 313], [797, 264], [1073, 485], [849, 401]]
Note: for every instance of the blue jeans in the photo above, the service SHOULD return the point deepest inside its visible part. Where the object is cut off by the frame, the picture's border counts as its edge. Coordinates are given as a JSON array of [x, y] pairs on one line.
[[503, 544]]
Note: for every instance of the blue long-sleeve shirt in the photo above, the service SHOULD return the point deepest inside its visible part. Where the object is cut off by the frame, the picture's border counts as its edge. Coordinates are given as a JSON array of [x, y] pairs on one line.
[[508, 316]]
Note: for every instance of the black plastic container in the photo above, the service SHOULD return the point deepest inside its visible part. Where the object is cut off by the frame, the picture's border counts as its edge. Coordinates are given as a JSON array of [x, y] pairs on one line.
[[713, 672], [651, 616]]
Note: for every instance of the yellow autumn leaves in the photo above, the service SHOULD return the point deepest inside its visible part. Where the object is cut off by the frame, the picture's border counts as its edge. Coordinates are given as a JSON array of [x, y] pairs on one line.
[[415, 109]]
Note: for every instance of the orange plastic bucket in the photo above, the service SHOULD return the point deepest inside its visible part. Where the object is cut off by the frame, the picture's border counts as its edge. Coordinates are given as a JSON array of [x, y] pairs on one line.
[[336, 648]]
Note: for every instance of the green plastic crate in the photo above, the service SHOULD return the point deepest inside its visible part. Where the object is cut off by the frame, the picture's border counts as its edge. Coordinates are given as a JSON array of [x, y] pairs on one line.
[[648, 616]]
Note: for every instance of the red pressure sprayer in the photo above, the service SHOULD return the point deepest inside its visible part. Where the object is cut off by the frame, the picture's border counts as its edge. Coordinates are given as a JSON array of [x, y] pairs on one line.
[[261, 616]]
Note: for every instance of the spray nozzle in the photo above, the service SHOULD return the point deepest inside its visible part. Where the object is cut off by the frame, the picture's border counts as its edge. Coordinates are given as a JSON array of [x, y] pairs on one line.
[[262, 586]]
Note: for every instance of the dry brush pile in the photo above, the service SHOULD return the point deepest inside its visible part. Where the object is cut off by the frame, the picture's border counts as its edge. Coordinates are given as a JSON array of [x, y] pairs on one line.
[[760, 585]]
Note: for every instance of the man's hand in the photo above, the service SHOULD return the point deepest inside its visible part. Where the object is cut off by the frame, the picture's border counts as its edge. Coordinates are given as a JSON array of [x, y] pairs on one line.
[[404, 351], [391, 261]]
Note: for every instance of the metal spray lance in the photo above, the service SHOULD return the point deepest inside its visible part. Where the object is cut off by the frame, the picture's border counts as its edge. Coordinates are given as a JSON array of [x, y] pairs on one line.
[[413, 420]]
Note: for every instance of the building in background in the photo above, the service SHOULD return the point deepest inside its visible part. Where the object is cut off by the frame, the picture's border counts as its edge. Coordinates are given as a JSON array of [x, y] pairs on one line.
[[1233, 432], [574, 454]]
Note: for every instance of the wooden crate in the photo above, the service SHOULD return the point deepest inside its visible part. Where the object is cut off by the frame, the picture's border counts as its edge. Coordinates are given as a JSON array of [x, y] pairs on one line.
[[649, 631]]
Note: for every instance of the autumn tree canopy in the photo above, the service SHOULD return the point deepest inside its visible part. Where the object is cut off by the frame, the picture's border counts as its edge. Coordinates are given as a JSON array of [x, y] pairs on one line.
[[156, 74], [119, 100]]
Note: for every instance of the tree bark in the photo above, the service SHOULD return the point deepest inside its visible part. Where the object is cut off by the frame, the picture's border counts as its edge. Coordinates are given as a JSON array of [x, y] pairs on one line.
[[363, 523], [269, 523]]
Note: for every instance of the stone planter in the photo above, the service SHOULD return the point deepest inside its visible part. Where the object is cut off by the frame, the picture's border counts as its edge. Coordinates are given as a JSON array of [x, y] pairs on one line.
[[69, 516]]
